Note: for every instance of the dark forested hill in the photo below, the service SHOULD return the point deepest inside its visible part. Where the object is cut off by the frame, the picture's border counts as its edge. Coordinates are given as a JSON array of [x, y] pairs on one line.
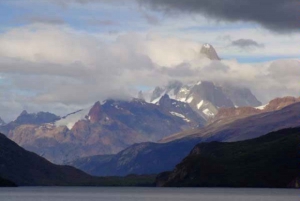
[[6, 183], [269, 161]]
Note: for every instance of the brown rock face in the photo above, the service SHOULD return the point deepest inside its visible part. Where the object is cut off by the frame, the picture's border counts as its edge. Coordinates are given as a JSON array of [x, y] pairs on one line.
[[235, 113], [280, 103], [95, 113]]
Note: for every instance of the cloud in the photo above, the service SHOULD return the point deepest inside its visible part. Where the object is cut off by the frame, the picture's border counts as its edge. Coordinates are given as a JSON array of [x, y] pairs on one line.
[[60, 69], [102, 22], [151, 19], [276, 15], [41, 20], [246, 44]]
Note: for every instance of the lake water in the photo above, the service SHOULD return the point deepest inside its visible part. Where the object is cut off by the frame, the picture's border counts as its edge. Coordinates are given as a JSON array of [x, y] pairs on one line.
[[146, 194]]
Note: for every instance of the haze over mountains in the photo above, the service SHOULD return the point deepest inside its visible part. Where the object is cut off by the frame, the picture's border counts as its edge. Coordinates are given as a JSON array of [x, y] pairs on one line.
[[153, 132], [113, 125]]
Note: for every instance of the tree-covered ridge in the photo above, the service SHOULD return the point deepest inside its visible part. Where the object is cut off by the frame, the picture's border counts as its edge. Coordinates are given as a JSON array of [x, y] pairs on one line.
[[269, 161]]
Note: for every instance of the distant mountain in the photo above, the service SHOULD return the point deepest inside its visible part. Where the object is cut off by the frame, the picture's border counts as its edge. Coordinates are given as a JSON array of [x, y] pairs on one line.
[[270, 161], [144, 158], [38, 118], [209, 51], [2, 123], [104, 128], [245, 123], [152, 158], [206, 98]]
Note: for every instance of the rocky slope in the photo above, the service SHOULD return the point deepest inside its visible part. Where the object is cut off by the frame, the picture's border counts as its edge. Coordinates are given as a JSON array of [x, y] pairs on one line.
[[240, 112], [104, 129], [270, 161], [151, 158]]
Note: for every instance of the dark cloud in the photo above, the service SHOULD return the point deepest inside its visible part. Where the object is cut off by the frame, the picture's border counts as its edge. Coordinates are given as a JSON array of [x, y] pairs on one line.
[[246, 44], [276, 15]]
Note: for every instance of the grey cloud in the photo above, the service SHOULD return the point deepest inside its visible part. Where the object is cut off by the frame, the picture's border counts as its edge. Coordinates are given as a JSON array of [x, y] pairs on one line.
[[151, 19], [216, 66], [285, 70], [103, 22], [276, 15], [246, 43], [42, 20], [180, 71]]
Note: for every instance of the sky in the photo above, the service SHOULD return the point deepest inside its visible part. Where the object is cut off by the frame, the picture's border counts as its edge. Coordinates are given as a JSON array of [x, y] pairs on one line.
[[64, 55]]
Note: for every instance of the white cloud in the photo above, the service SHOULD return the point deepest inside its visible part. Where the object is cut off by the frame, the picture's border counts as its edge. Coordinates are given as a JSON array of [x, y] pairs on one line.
[[59, 69]]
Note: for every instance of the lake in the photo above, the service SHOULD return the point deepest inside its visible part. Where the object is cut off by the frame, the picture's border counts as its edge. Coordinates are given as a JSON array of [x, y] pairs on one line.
[[145, 194]]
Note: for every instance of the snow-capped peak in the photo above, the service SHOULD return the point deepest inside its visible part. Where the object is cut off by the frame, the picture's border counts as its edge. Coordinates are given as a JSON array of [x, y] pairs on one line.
[[207, 45]]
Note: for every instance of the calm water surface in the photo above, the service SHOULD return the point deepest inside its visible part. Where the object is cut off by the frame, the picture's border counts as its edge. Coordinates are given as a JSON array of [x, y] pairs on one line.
[[146, 194]]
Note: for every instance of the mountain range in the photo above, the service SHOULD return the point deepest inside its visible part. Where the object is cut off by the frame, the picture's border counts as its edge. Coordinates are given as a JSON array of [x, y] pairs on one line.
[[103, 129], [111, 126], [150, 134], [147, 158], [205, 97]]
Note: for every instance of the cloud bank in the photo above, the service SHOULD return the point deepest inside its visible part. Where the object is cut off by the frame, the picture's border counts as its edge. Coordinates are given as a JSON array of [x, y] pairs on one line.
[[59, 69], [276, 15]]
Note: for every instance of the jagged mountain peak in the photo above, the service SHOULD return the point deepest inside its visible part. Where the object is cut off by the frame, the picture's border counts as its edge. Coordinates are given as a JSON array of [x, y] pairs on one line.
[[95, 112], [36, 118], [206, 97], [24, 112], [209, 51]]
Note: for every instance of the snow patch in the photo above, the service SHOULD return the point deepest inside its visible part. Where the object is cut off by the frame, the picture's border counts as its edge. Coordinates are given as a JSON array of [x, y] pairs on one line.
[[184, 90], [181, 116], [172, 94], [155, 101], [190, 99], [200, 104], [206, 45], [71, 119], [262, 107], [207, 112]]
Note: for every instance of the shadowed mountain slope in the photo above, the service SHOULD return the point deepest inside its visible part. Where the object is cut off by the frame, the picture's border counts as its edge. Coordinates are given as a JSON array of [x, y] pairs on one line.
[[268, 161]]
